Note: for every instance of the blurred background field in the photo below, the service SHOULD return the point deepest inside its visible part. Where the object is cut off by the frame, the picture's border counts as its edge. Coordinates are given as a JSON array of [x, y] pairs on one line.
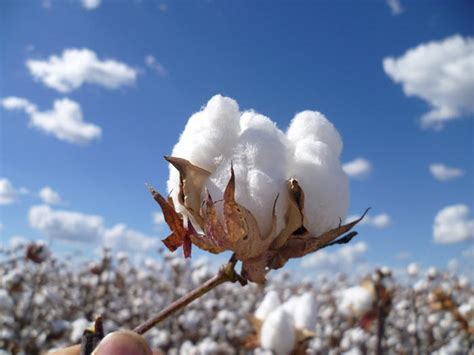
[[47, 302]]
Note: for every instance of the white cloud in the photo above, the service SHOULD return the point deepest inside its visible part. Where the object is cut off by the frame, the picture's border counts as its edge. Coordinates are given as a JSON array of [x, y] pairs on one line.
[[90, 4], [452, 225], [381, 220], [358, 168], [341, 259], [158, 218], [442, 172], [120, 237], [49, 196], [80, 227], [66, 225], [440, 72], [64, 121], [76, 67], [152, 63], [13, 103], [395, 7], [8, 193]]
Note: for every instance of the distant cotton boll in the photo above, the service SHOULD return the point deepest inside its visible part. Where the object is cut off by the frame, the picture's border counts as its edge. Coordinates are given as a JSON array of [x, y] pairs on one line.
[[412, 269], [278, 332], [292, 304], [305, 313], [420, 286], [432, 272], [270, 302], [6, 302], [355, 301], [77, 328]]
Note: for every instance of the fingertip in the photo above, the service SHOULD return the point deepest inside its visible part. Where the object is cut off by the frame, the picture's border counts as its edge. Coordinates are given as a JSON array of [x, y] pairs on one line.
[[123, 342]]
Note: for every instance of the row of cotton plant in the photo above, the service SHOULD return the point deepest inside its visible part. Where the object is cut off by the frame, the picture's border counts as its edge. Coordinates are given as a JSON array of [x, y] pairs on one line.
[[46, 303]]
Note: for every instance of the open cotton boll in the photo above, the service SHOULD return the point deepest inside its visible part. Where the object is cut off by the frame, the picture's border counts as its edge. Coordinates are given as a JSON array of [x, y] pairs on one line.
[[270, 302], [305, 313], [315, 164], [209, 135], [315, 126], [259, 161], [355, 301], [278, 333]]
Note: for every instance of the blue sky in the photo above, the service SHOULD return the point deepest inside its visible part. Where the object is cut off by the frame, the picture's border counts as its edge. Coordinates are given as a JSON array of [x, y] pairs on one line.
[[277, 57]]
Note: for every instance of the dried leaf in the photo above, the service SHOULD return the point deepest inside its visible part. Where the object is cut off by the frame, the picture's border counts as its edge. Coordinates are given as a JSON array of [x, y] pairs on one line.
[[254, 269], [174, 221], [213, 227], [297, 246], [236, 226], [192, 180], [173, 242], [294, 217]]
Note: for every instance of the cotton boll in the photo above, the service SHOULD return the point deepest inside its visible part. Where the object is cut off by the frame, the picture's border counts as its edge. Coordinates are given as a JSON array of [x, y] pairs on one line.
[[270, 302], [355, 301], [77, 328], [314, 125], [259, 162], [6, 302], [208, 137], [412, 269], [278, 333], [292, 304], [315, 164], [305, 313]]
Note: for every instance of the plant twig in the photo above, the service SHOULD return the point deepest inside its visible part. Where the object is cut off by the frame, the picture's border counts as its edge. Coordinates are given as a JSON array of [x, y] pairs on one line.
[[225, 274]]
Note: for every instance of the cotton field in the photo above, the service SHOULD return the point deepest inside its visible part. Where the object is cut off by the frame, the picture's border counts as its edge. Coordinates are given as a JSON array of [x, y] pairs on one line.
[[47, 302]]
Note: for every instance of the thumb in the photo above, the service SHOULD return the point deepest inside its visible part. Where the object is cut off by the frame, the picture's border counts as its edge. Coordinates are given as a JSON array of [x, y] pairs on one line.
[[124, 342]]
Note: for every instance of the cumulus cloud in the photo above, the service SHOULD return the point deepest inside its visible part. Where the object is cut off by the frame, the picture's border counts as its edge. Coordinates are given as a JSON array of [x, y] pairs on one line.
[[341, 259], [440, 72], [452, 225], [90, 4], [381, 220], [395, 7], [49, 196], [153, 64], [358, 168], [442, 172], [264, 158], [8, 193], [76, 67], [79, 227], [64, 121]]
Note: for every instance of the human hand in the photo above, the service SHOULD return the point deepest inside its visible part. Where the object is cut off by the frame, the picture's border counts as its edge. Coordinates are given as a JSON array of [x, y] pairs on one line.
[[123, 342]]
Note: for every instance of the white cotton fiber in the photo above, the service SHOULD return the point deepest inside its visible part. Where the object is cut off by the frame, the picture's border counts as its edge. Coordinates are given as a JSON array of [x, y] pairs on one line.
[[315, 164], [209, 137], [259, 165], [270, 302], [278, 333], [305, 313], [264, 158], [355, 301]]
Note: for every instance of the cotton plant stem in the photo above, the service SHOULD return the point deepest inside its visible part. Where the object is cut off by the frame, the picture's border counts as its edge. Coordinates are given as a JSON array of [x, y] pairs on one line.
[[225, 274]]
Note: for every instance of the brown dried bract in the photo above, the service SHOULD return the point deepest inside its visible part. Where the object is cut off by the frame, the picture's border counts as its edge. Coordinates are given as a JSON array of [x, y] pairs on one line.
[[239, 231]]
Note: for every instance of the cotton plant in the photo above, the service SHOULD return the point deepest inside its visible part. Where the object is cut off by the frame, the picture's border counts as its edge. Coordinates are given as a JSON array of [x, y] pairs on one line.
[[283, 328], [238, 183]]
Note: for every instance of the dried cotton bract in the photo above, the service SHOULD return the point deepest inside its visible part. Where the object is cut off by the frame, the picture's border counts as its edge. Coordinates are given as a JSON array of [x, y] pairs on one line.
[[239, 183]]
